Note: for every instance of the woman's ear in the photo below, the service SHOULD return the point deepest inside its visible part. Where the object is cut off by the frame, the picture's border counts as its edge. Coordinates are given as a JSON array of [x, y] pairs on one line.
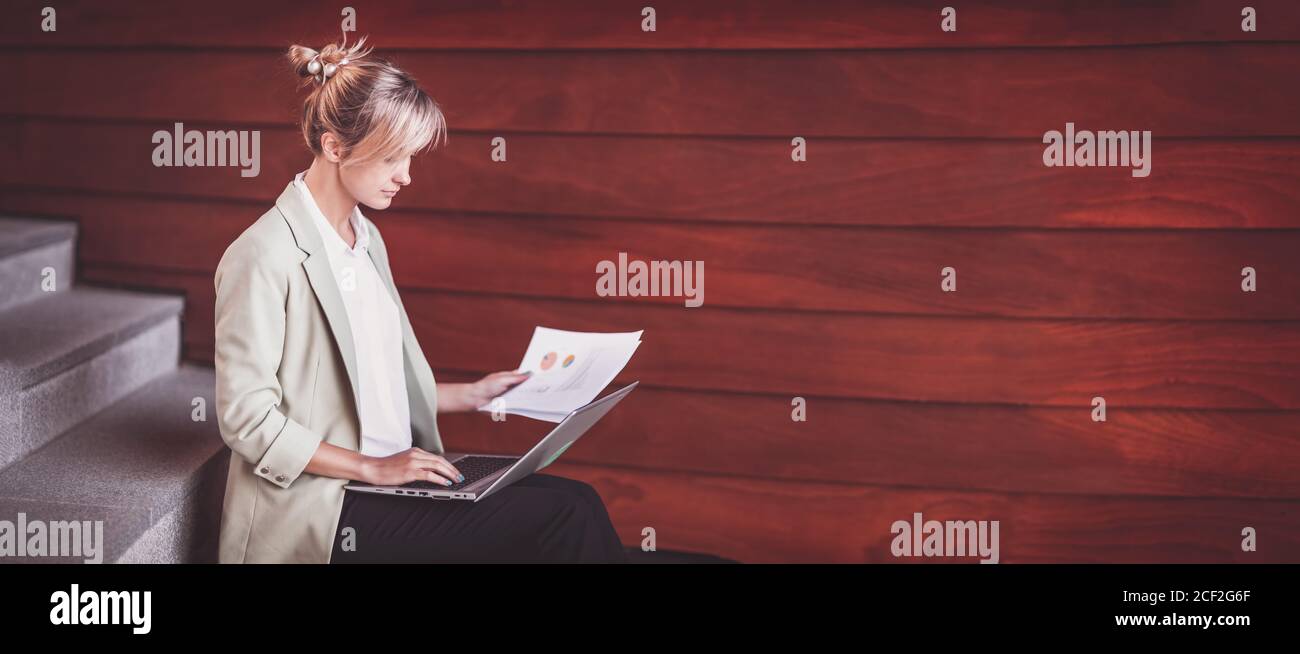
[[331, 148]]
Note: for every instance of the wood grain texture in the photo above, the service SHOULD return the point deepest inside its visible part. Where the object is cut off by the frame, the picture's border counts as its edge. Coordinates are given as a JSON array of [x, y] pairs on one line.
[[1165, 274], [1173, 91], [759, 521], [998, 448], [1195, 184], [943, 446], [616, 24], [1040, 362], [1223, 365]]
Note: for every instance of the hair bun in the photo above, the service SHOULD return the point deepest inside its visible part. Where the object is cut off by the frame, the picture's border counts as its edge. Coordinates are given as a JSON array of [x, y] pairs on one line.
[[320, 65], [371, 107]]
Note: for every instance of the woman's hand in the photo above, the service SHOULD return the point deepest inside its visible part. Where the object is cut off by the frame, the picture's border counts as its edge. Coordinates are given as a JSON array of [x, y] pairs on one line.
[[482, 391], [469, 397], [414, 464]]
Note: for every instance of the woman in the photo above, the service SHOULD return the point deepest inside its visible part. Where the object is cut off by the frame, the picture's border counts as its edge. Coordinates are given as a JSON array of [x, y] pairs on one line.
[[320, 379]]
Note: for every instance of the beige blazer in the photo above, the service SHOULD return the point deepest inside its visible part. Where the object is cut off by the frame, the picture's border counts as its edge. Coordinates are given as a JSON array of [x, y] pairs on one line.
[[287, 380]]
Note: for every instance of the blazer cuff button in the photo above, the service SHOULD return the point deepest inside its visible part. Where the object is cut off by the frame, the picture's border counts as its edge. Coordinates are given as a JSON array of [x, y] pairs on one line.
[[265, 470], [280, 478]]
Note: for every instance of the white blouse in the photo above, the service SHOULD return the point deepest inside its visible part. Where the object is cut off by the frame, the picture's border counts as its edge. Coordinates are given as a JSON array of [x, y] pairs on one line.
[[376, 334]]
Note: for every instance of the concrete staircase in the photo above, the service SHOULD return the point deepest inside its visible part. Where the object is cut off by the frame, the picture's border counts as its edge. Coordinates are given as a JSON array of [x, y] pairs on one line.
[[96, 410]]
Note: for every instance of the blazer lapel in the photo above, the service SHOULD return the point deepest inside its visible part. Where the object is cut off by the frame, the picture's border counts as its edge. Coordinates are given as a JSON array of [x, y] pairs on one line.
[[320, 274]]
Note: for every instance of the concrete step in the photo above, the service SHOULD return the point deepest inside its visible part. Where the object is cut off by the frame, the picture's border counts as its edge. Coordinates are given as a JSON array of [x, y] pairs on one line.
[[144, 467], [27, 248], [65, 356]]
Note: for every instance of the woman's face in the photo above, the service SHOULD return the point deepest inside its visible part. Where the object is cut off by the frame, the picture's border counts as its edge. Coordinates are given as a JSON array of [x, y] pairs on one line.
[[375, 182]]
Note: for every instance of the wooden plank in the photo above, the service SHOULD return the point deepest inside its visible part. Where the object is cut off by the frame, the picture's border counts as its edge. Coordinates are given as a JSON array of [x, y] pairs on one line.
[[1235, 183], [615, 24], [1043, 362], [1184, 274], [1228, 365], [761, 521], [1174, 91], [1246, 454]]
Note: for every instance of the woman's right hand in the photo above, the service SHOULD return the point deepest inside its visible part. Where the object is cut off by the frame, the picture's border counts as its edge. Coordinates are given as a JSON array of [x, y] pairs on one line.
[[410, 465]]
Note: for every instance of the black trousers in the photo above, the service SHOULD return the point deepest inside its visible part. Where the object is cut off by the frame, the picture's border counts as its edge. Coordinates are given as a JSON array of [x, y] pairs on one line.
[[538, 519]]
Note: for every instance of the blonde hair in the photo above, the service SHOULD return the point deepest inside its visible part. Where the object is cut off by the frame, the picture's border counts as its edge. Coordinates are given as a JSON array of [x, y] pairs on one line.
[[373, 107]]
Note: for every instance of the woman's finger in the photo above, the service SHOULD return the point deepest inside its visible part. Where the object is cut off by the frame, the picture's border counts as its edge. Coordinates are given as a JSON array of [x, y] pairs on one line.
[[424, 457], [434, 477], [442, 467], [508, 379]]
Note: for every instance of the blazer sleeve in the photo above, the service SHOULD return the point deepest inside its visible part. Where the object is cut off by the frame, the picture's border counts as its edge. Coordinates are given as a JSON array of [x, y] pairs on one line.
[[250, 329]]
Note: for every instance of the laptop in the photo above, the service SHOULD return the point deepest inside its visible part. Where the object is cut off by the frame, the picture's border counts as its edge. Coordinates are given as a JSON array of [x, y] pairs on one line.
[[485, 474]]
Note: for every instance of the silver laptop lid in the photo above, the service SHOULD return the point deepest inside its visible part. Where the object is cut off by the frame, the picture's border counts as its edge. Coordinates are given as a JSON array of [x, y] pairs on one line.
[[565, 434]]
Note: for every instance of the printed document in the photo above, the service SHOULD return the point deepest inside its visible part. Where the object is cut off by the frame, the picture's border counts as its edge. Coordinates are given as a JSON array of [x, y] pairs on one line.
[[569, 369]]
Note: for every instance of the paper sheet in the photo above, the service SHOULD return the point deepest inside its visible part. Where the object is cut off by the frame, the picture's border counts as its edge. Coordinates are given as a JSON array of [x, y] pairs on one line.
[[569, 370]]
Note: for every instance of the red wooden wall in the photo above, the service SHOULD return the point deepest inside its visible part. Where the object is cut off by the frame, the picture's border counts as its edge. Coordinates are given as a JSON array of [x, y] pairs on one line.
[[822, 277]]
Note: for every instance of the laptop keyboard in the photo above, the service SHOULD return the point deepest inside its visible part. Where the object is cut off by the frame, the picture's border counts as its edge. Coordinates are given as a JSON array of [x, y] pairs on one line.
[[473, 467]]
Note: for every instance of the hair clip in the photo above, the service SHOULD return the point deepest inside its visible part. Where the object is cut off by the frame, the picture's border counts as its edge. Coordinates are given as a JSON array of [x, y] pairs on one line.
[[325, 72]]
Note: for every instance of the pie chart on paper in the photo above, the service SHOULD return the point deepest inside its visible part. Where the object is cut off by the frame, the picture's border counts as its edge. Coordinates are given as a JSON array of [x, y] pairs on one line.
[[548, 360]]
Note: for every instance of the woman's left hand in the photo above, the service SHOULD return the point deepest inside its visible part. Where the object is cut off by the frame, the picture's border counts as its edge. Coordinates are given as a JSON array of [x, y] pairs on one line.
[[482, 391]]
